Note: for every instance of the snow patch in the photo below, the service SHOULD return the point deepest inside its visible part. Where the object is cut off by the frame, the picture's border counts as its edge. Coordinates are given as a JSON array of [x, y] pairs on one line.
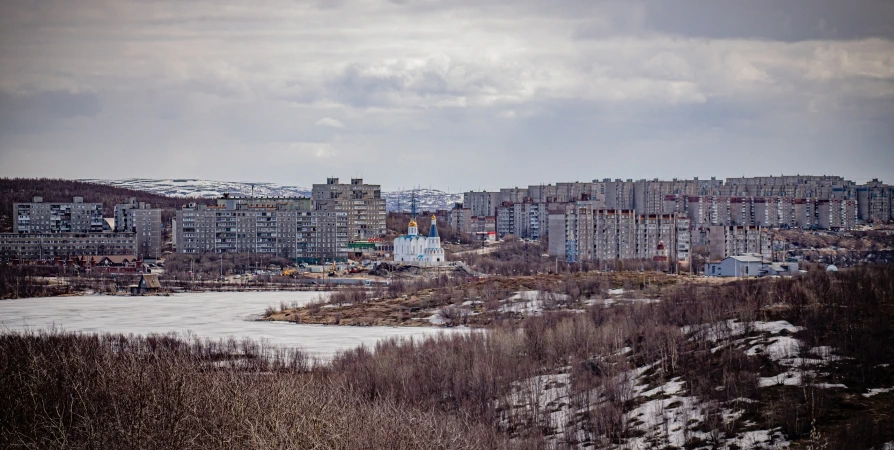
[[877, 391]]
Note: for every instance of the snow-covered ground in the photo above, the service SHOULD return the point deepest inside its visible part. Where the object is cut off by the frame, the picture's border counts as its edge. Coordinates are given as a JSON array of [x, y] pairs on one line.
[[530, 302], [426, 199], [215, 315]]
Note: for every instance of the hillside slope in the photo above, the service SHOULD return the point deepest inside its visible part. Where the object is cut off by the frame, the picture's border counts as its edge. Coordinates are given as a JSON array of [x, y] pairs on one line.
[[13, 190], [399, 200]]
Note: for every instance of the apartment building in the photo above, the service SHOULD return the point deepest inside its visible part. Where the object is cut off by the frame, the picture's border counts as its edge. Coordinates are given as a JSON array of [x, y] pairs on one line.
[[724, 241], [571, 231], [483, 224], [524, 220], [683, 248], [615, 234], [285, 227], [505, 220], [460, 218], [804, 186], [363, 204], [656, 236], [145, 221], [875, 202], [48, 217], [513, 195], [618, 194], [836, 214], [543, 193], [330, 233], [43, 246], [482, 204], [764, 211]]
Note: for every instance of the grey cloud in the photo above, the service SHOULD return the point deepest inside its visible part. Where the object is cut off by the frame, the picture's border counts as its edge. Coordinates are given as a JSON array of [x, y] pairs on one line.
[[31, 112], [773, 20], [489, 92]]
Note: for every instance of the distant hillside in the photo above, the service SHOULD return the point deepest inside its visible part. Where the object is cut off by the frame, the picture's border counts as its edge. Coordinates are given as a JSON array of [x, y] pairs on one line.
[[426, 199], [17, 190], [188, 187]]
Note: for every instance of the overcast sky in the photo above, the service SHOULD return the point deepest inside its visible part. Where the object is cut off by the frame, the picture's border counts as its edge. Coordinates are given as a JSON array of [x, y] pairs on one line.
[[459, 94]]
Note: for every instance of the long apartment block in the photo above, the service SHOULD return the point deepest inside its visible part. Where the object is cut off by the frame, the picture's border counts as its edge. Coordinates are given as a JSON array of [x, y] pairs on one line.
[[802, 201], [44, 246], [318, 228]]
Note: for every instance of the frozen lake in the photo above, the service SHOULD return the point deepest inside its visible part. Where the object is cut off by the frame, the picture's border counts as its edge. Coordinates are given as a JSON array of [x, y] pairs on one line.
[[214, 315]]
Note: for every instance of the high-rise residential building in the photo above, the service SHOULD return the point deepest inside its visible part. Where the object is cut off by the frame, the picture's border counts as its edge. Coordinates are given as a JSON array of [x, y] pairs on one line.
[[571, 231], [524, 220], [618, 194], [482, 204], [724, 241], [513, 195], [363, 204], [142, 219], [460, 218], [329, 236], [615, 234], [50, 217], [875, 202]]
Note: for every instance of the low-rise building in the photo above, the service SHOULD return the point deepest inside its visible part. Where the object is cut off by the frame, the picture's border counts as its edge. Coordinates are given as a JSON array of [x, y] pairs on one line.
[[43, 246], [736, 266]]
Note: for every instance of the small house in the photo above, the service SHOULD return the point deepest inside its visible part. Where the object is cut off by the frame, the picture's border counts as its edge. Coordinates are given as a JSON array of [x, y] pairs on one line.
[[148, 284], [736, 266]]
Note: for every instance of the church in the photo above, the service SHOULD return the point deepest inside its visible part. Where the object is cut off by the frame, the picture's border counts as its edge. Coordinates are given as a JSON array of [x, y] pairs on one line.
[[420, 250]]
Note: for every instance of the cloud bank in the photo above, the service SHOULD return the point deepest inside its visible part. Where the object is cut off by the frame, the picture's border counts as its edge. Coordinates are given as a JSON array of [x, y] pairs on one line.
[[456, 95]]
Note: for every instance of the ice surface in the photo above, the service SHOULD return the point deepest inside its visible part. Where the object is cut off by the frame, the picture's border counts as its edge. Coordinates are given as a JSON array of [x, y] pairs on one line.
[[214, 315]]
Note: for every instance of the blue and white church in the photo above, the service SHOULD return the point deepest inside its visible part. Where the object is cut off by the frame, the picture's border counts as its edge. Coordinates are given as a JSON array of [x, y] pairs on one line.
[[419, 250]]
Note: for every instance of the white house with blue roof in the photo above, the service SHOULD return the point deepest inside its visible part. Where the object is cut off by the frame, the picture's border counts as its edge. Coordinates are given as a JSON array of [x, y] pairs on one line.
[[413, 248]]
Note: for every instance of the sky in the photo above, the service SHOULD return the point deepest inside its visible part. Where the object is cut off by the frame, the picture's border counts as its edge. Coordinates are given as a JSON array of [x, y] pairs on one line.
[[453, 95]]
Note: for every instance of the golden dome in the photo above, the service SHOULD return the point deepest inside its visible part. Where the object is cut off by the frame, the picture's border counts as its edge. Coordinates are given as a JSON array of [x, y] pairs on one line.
[[412, 223], [433, 217]]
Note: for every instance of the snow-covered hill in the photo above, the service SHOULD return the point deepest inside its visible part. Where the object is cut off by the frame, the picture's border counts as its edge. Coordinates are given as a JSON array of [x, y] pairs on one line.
[[426, 199], [205, 188]]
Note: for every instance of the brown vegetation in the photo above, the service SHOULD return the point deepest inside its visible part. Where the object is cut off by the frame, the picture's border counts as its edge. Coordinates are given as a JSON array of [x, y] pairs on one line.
[[69, 391], [483, 388], [409, 302]]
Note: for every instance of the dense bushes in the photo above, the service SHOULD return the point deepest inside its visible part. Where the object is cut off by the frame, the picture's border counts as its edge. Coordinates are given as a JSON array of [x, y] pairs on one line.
[[69, 391]]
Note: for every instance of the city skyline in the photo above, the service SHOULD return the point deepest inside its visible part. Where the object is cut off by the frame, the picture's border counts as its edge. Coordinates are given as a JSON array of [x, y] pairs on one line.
[[460, 95]]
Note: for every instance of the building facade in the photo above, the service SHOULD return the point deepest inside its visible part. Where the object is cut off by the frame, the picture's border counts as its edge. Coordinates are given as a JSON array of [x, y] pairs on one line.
[[50, 217], [363, 204], [142, 219], [43, 246]]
